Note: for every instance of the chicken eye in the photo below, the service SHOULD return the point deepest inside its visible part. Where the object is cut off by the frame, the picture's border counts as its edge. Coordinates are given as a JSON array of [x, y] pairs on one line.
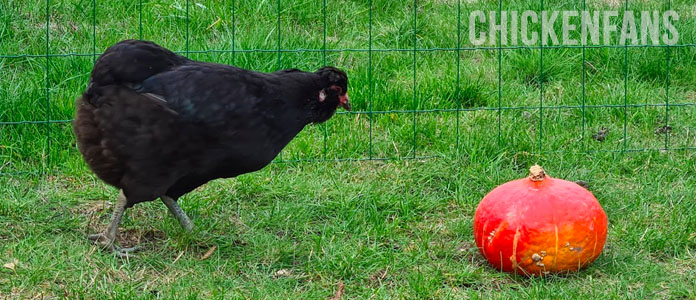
[[338, 89]]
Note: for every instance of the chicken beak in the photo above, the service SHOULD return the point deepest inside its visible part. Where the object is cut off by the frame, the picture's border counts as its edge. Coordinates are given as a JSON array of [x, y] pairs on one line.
[[344, 102]]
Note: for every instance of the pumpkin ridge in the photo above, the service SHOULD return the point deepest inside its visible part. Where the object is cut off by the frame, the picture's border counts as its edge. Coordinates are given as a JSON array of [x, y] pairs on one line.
[[496, 232], [594, 247], [513, 258], [483, 239], [555, 256]]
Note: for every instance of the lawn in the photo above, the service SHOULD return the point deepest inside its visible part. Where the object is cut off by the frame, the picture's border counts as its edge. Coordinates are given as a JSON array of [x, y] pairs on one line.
[[379, 200]]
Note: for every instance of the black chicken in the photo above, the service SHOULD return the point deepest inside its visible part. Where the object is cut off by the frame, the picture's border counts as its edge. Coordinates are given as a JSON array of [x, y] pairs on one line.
[[158, 125]]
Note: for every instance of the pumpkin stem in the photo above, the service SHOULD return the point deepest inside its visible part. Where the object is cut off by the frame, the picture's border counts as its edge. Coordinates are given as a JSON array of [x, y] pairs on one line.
[[536, 173]]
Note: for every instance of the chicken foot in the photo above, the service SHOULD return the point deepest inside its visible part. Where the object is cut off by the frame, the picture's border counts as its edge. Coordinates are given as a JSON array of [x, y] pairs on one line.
[[107, 238]]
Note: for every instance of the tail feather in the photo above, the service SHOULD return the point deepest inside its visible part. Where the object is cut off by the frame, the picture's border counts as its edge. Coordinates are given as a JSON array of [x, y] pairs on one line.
[[90, 142], [126, 129]]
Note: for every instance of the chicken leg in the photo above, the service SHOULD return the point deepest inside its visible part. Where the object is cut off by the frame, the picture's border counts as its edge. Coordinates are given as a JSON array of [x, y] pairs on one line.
[[107, 238], [178, 213]]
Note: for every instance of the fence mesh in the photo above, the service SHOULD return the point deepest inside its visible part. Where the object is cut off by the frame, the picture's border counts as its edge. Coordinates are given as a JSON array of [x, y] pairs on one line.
[[14, 160]]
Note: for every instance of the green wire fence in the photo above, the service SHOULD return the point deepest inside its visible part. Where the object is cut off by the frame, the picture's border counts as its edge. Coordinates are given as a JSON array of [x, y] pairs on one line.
[[414, 111]]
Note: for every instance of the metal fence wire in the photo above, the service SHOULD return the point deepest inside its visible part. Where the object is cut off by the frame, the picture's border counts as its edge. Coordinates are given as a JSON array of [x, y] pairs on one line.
[[50, 123]]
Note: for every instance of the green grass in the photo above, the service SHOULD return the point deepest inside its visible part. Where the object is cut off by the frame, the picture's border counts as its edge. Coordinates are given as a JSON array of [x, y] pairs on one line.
[[399, 228]]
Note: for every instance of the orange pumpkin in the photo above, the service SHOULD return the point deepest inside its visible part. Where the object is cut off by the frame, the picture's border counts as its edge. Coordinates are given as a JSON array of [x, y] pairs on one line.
[[540, 225]]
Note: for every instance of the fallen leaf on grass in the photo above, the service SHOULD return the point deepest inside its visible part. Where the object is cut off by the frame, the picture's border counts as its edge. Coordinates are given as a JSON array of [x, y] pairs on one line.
[[339, 292], [11, 265], [209, 253], [601, 134], [283, 273]]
